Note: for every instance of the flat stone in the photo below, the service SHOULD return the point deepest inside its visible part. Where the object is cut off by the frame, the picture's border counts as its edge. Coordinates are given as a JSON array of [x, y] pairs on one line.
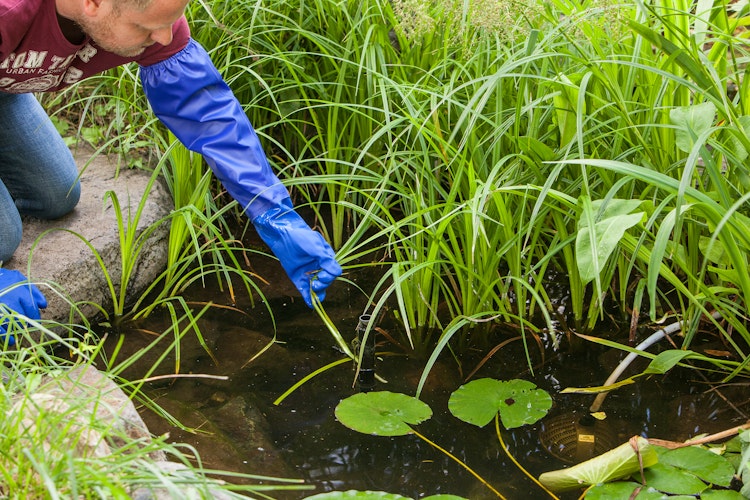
[[58, 254]]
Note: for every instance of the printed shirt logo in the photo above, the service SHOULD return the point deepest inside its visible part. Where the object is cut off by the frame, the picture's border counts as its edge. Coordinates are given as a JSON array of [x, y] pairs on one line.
[[37, 71]]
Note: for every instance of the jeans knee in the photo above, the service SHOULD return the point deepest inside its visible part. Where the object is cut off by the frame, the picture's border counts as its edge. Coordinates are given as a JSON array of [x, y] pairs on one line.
[[10, 238], [65, 201]]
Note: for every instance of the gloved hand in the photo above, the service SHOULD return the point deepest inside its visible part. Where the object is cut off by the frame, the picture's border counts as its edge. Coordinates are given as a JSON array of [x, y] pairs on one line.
[[190, 97], [24, 298], [304, 254]]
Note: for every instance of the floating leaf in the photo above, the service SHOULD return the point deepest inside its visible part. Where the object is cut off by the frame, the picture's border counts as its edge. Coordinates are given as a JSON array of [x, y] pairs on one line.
[[673, 480], [704, 464], [721, 495], [622, 489], [519, 402], [335, 495], [615, 464], [382, 413]]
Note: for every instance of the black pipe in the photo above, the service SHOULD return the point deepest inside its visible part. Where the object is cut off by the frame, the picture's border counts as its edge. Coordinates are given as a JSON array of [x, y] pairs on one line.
[[366, 378]]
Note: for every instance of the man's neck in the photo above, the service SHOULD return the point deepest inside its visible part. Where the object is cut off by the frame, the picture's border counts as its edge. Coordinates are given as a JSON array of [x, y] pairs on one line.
[[66, 12], [71, 30]]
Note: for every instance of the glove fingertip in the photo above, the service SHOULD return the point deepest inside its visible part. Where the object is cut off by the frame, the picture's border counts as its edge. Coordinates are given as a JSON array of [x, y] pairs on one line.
[[40, 299]]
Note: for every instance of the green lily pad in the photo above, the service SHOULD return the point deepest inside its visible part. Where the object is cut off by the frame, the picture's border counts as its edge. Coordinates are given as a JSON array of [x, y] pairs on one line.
[[622, 489], [519, 402], [721, 495], [701, 462], [382, 413], [335, 495], [673, 480]]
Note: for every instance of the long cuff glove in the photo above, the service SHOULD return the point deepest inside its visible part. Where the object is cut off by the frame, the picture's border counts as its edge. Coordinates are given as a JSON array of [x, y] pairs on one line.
[[189, 96], [17, 294], [304, 254]]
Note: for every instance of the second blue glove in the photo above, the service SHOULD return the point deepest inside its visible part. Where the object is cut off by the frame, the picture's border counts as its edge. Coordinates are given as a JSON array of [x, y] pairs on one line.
[[304, 254], [20, 296]]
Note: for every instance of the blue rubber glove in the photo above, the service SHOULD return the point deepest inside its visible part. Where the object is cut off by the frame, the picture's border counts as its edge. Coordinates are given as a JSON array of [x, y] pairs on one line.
[[304, 254], [190, 97], [24, 298]]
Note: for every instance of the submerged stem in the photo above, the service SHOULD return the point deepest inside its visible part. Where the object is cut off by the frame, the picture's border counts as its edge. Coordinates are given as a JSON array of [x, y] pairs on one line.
[[512, 458], [458, 461]]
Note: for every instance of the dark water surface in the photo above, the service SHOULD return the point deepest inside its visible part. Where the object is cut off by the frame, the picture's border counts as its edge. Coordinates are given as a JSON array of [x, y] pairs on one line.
[[300, 438]]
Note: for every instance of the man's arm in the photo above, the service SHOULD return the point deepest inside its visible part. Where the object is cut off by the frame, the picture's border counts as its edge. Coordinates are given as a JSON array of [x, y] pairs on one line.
[[190, 97]]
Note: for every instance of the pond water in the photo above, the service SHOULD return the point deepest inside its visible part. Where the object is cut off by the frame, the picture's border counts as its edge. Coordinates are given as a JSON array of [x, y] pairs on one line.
[[242, 430]]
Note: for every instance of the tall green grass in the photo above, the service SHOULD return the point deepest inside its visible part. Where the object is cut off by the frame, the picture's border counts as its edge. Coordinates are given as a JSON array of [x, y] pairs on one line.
[[472, 163]]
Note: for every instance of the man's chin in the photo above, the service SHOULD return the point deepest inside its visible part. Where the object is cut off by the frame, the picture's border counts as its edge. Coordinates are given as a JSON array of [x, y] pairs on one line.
[[124, 51], [130, 52]]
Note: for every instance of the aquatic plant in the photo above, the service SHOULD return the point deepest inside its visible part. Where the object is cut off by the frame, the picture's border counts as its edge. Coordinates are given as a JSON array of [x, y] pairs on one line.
[[384, 413]]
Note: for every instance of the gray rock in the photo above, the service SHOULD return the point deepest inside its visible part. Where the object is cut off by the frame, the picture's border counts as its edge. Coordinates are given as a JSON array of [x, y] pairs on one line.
[[55, 254], [94, 403]]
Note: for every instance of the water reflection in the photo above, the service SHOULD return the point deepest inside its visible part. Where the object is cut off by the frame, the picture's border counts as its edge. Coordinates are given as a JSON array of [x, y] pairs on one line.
[[304, 435]]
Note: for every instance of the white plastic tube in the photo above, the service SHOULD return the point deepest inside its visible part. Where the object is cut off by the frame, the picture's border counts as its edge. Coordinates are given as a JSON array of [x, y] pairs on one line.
[[652, 339]]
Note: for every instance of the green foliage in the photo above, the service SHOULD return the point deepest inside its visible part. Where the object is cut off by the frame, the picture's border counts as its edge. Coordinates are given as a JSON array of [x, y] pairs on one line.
[[618, 463], [384, 413], [651, 471], [470, 149], [519, 402]]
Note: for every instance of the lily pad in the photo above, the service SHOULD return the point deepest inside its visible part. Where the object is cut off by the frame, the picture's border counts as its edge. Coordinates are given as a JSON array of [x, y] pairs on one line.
[[673, 480], [622, 489], [382, 413], [701, 462], [519, 402]]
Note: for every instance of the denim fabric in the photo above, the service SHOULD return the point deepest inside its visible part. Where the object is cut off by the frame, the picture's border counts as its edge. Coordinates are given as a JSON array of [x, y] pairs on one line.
[[38, 175]]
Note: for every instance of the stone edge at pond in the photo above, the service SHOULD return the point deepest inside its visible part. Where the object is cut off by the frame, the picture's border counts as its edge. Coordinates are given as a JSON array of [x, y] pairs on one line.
[[55, 255]]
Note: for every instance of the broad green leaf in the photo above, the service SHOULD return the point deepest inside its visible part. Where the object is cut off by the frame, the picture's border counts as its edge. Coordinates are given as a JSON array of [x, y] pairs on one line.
[[617, 463], [733, 143], [665, 361], [704, 464], [519, 402], [721, 495], [622, 489], [670, 479], [565, 102], [362, 495], [613, 208], [607, 235], [743, 470], [691, 121], [535, 148], [382, 413], [714, 251]]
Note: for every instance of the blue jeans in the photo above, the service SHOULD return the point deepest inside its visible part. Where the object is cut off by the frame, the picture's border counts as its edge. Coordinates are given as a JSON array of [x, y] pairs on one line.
[[38, 175]]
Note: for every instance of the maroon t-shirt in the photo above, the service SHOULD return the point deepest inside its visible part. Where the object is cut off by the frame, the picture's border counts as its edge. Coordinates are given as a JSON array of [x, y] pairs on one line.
[[35, 56]]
